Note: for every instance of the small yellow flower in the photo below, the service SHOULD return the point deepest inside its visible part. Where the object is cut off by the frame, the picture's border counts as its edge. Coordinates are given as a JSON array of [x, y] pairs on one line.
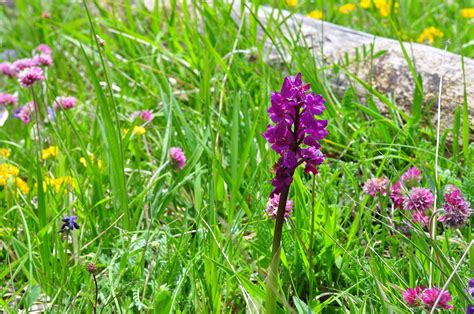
[[292, 3], [51, 151], [365, 4], [316, 14], [22, 185], [347, 8], [429, 35], [467, 13], [137, 130], [57, 183], [4, 152], [385, 7], [82, 160], [6, 172]]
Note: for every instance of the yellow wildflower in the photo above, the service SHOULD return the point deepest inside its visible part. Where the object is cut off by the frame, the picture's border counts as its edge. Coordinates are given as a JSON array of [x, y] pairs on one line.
[[51, 151], [137, 130], [22, 185], [467, 13], [7, 172], [385, 7], [292, 3], [429, 35], [347, 8], [82, 160], [365, 4], [4, 152], [316, 14], [57, 183]]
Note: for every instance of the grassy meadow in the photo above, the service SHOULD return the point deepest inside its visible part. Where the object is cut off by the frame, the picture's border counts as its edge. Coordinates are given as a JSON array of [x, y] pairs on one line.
[[156, 234]]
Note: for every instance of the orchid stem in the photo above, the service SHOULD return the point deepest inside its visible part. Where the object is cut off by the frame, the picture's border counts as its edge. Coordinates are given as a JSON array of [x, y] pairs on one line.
[[272, 278]]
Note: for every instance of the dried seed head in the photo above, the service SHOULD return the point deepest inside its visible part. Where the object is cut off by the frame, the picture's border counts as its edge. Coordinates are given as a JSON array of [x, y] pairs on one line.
[[91, 268]]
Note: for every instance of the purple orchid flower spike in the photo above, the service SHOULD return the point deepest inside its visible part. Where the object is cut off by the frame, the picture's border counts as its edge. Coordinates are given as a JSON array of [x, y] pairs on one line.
[[294, 135]]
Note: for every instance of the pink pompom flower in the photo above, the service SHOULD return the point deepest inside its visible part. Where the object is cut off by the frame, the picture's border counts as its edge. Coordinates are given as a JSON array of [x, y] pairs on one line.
[[6, 68], [376, 186], [30, 76], [146, 115], [43, 60], [272, 207], [8, 99], [396, 195], [418, 199], [43, 48], [411, 177], [456, 209], [412, 296], [64, 102], [177, 158], [22, 64], [429, 297], [24, 113]]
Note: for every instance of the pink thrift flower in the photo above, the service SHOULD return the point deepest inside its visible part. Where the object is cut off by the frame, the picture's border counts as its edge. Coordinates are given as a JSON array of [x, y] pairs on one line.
[[6, 68], [177, 158], [24, 113], [8, 99], [22, 64], [64, 103], [411, 177], [29, 76], [272, 207], [43, 48], [146, 115], [456, 209], [376, 186], [418, 199], [396, 195], [412, 296], [429, 296], [43, 59]]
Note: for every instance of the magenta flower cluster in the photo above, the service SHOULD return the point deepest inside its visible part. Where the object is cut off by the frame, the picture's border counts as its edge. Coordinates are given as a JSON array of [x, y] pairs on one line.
[[24, 112], [144, 115], [28, 71], [295, 134], [177, 158], [42, 56], [406, 195], [272, 207], [426, 297], [29, 76], [456, 210], [376, 186], [64, 102], [8, 99]]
